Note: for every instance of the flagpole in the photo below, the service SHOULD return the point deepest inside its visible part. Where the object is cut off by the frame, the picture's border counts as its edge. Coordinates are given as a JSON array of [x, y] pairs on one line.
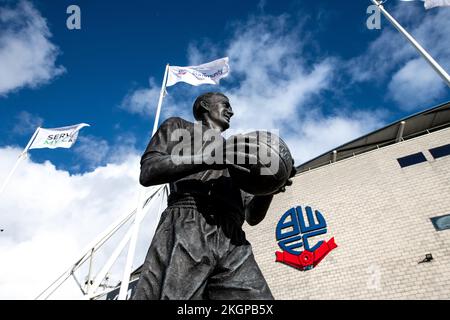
[[21, 156], [161, 97], [442, 73], [138, 219]]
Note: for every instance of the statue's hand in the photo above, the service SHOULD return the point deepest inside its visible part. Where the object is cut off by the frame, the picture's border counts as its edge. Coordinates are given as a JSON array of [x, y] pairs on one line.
[[288, 181], [235, 152], [240, 153]]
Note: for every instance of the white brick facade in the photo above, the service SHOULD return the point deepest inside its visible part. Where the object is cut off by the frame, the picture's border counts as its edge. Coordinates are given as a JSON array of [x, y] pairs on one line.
[[379, 215]]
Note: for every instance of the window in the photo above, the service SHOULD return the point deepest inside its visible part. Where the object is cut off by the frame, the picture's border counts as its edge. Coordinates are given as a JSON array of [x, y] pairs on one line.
[[441, 223], [411, 159], [441, 151]]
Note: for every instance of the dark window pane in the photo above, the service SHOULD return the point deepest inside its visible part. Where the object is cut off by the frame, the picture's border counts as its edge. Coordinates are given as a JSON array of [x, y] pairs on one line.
[[440, 151], [411, 159], [441, 223]]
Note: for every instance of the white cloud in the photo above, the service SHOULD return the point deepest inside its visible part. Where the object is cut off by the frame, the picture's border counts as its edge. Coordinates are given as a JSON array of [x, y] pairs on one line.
[[48, 216], [124, 145], [27, 56], [318, 135], [414, 84], [261, 5], [92, 150], [27, 123], [208, 51], [95, 151], [390, 58], [273, 86], [142, 101]]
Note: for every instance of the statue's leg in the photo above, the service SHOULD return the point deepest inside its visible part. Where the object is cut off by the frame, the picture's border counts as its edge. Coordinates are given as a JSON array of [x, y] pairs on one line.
[[180, 258], [237, 276], [152, 274]]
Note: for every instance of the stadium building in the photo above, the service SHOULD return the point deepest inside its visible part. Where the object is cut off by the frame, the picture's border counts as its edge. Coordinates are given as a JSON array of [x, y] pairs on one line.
[[385, 199]]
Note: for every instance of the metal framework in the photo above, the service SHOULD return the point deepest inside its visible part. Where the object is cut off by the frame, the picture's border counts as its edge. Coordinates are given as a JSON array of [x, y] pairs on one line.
[[90, 289]]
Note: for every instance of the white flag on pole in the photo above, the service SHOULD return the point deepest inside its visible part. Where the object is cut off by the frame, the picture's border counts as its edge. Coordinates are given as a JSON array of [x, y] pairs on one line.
[[208, 73], [434, 3], [63, 137]]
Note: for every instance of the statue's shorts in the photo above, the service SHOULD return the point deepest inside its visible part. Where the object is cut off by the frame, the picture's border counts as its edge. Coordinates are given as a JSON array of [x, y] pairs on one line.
[[197, 253]]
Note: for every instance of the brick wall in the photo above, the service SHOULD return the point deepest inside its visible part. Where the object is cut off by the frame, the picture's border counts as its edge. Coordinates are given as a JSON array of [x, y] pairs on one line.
[[379, 215]]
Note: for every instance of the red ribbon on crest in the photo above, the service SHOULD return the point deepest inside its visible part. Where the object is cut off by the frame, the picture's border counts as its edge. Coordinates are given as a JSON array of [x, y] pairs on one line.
[[307, 259]]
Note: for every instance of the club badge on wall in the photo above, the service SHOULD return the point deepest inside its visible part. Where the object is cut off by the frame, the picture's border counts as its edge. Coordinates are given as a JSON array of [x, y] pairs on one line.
[[294, 233]]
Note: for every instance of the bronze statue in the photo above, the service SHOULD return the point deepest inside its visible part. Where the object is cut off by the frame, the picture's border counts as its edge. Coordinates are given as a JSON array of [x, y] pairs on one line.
[[199, 250]]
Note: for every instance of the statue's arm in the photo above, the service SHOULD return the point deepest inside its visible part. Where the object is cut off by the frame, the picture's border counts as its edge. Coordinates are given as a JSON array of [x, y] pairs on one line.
[[256, 209], [159, 165], [160, 168]]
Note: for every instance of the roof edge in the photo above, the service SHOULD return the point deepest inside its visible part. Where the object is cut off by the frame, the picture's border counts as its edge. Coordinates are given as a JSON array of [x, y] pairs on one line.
[[444, 106]]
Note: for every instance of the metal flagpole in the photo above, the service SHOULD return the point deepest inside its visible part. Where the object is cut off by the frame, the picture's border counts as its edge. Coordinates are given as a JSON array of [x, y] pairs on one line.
[[161, 96], [21, 156], [137, 220], [442, 73]]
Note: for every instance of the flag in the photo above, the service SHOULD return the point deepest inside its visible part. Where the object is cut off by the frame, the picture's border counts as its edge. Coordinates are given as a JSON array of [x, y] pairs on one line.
[[63, 137], [434, 3], [208, 73]]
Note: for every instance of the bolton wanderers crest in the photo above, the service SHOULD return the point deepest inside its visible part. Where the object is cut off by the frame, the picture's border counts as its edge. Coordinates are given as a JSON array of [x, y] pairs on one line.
[[295, 234]]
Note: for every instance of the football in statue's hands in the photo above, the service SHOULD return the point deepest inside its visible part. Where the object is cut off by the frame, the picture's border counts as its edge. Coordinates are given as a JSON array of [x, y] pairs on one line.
[[272, 168]]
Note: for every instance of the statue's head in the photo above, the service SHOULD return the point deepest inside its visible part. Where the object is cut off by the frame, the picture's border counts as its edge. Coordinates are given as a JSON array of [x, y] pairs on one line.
[[214, 110]]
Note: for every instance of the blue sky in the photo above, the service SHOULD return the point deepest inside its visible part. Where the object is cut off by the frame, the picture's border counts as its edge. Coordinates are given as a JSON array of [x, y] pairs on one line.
[[310, 69], [124, 44]]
